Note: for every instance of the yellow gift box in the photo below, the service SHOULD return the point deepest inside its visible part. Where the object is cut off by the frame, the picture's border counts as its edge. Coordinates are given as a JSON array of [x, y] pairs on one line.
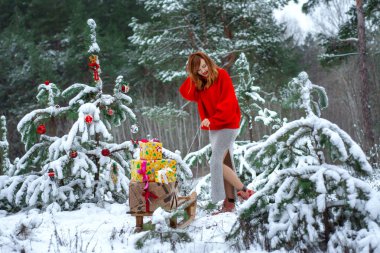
[[150, 150], [165, 175], [151, 166]]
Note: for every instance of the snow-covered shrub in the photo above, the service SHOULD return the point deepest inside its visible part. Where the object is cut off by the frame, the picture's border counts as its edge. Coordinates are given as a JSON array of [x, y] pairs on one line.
[[311, 195]]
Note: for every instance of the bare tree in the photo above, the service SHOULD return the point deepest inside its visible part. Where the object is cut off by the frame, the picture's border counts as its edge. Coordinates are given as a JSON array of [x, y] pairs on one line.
[[328, 17]]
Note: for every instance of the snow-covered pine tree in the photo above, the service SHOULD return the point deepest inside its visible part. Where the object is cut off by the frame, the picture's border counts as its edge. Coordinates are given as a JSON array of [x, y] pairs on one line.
[[76, 167], [221, 28], [83, 165], [310, 191], [5, 163], [250, 100], [252, 106]]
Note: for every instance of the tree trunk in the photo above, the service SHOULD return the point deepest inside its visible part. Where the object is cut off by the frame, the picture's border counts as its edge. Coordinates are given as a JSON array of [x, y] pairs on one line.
[[364, 91], [97, 174], [229, 60], [1, 163]]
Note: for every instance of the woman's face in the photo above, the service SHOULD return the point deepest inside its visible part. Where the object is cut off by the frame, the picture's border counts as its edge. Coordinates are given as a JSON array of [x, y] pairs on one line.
[[203, 69]]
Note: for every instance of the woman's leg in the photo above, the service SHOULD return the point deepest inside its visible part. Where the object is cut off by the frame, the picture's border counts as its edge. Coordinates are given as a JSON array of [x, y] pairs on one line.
[[231, 180]]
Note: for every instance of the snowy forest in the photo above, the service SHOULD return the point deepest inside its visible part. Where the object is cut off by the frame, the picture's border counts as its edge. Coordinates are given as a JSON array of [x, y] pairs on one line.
[[85, 86]]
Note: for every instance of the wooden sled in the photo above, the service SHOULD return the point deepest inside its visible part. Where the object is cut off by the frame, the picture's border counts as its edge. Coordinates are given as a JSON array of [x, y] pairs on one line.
[[186, 203]]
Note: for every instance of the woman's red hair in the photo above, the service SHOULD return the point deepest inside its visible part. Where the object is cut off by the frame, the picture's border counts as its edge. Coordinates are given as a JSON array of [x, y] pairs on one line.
[[192, 68]]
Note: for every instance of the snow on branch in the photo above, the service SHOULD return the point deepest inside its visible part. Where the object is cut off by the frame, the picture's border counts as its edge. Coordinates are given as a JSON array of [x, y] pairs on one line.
[[94, 47]]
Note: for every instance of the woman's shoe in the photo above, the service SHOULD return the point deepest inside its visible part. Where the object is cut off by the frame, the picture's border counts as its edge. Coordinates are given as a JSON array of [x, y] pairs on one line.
[[227, 207], [245, 194]]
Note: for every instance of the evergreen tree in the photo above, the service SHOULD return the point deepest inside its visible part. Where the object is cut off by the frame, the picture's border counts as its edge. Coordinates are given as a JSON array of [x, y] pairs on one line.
[[310, 193], [250, 100], [83, 165], [75, 167], [41, 39], [222, 29]]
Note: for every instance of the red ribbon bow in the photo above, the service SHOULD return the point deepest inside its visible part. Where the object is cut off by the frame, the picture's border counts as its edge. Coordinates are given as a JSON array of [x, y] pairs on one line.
[[147, 194], [142, 172], [94, 66]]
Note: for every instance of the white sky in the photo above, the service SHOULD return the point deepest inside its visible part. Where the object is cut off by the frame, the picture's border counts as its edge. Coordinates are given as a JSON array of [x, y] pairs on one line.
[[293, 11]]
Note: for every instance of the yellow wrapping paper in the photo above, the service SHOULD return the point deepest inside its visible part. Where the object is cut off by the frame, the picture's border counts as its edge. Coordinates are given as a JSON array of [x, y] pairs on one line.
[[165, 175], [150, 150], [151, 167]]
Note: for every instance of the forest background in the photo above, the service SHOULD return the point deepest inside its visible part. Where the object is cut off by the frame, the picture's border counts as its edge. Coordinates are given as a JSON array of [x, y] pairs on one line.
[[148, 43]]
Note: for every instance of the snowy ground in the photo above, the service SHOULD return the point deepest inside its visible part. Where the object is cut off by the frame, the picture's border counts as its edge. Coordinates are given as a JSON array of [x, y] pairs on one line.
[[109, 229]]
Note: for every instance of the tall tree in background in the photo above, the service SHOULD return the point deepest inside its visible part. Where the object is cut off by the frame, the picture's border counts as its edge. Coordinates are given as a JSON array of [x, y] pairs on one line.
[[363, 69], [354, 31], [220, 28]]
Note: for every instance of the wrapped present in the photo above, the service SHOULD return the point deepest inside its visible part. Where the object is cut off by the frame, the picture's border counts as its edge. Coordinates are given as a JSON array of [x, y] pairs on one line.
[[142, 170], [165, 175], [150, 150], [156, 195]]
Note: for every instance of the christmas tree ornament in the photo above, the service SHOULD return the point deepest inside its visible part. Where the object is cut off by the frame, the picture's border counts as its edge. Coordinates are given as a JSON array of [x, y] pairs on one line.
[[88, 119], [124, 88], [93, 58], [41, 129], [134, 129], [110, 112], [73, 154], [47, 82], [106, 152], [114, 173], [94, 66], [51, 174]]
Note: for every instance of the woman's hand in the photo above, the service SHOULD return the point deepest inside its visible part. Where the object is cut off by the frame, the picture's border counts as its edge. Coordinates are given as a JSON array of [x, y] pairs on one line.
[[205, 123]]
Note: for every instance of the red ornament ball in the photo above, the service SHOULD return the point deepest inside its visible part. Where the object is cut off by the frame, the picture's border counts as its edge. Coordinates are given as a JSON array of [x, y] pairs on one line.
[[47, 82], [124, 88], [51, 174], [41, 129], [106, 152], [88, 119], [110, 112], [73, 154]]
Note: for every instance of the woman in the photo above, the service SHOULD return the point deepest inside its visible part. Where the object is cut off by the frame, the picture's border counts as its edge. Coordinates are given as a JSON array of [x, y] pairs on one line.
[[212, 89]]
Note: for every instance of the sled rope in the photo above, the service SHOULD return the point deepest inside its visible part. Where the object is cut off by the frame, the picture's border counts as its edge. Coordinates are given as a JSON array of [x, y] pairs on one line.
[[196, 134]]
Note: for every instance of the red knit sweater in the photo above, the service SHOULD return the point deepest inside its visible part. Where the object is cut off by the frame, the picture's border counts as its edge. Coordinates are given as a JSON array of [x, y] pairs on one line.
[[218, 103]]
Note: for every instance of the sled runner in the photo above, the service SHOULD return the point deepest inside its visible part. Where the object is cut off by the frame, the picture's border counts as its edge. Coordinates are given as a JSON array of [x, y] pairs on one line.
[[186, 203]]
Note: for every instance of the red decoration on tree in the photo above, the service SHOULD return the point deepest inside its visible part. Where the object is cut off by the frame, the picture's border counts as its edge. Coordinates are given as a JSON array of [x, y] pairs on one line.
[[51, 174], [106, 152], [73, 154], [41, 129], [124, 88], [110, 112], [88, 119], [94, 66], [47, 82]]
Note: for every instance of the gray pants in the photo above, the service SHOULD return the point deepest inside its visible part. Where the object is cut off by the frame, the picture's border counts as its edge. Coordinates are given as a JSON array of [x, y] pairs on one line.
[[221, 142]]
